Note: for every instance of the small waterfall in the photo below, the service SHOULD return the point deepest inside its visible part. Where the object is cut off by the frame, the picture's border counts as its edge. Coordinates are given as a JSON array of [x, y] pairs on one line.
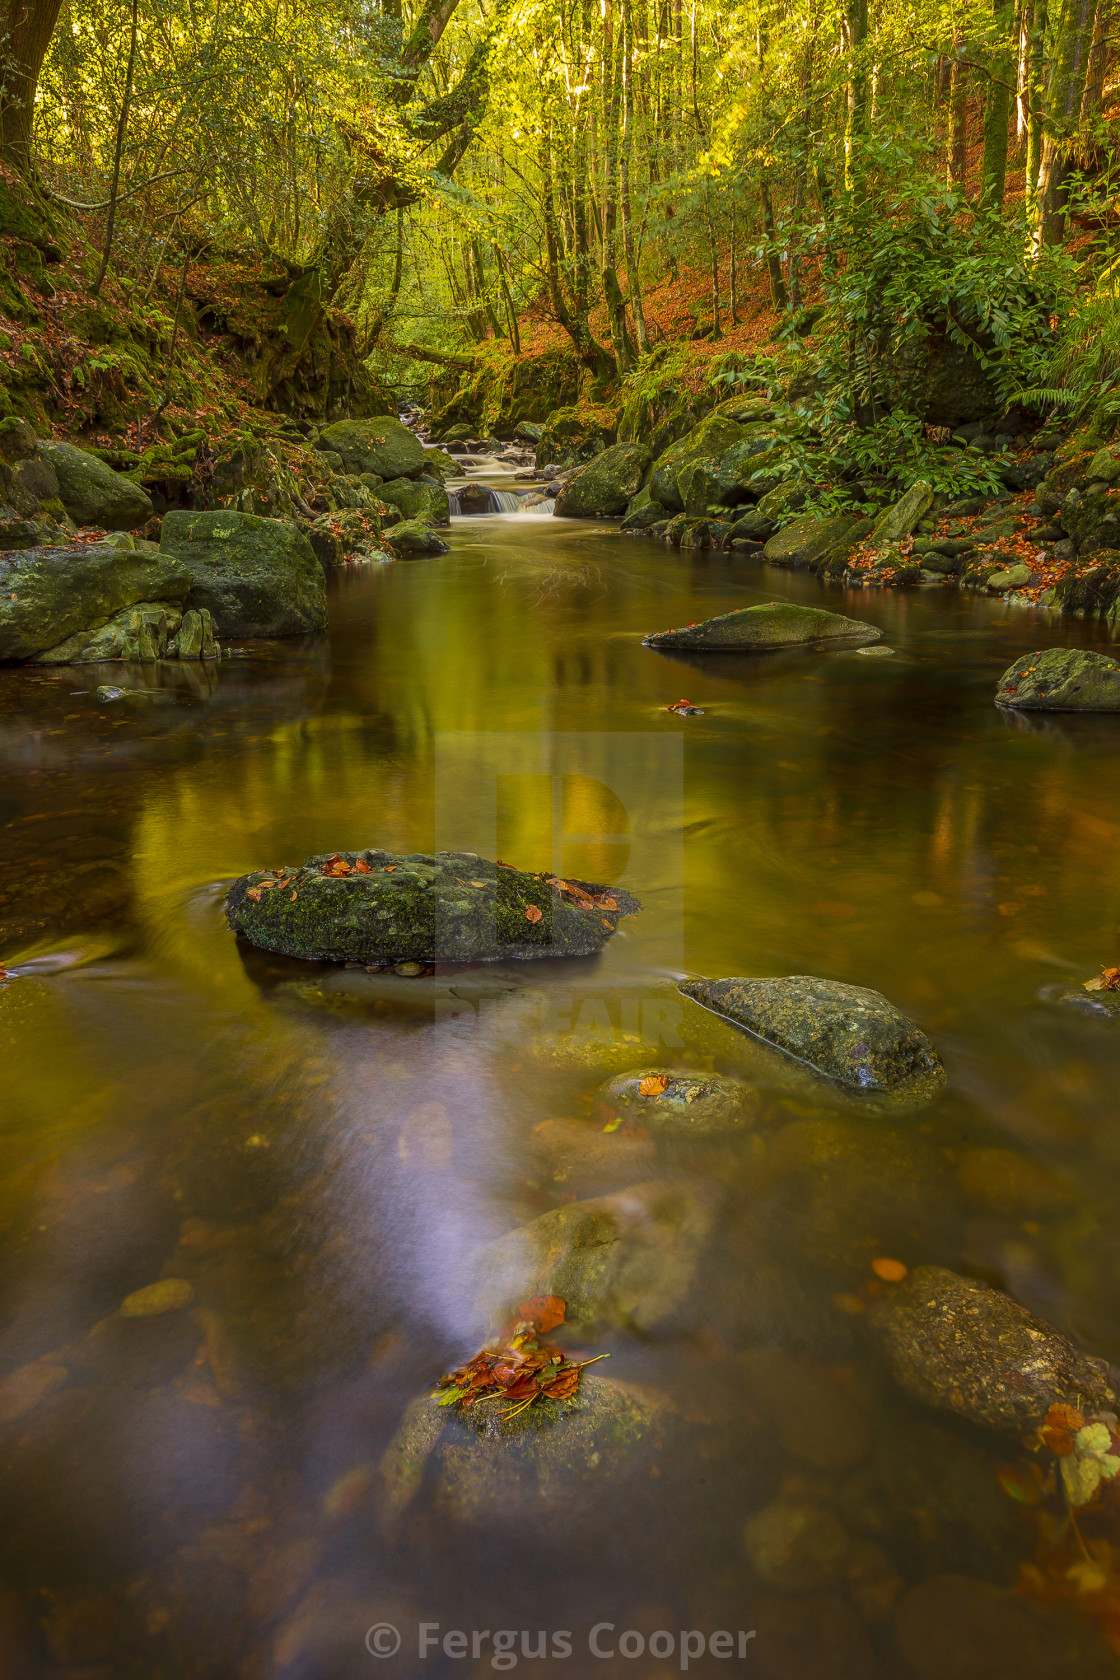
[[453, 503], [506, 501], [542, 510], [482, 498]]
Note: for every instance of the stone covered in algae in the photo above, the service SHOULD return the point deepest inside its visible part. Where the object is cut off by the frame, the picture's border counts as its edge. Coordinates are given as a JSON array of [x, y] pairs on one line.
[[1061, 680], [677, 1099], [764, 629], [971, 1350], [384, 907], [850, 1033]]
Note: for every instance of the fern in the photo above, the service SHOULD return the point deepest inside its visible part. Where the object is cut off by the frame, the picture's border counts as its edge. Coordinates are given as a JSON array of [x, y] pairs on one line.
[[1050, 396]]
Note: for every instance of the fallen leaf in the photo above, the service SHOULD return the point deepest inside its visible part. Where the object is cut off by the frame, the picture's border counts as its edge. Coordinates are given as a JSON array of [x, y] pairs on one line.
[[608, 904], [362, 867], [476, 883], [891, 1271], [532, 914], [293, 898], [653, 1085], [544, 1311], [255, 894]]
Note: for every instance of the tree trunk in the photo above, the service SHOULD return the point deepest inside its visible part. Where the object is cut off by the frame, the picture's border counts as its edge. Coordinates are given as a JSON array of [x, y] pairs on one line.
[[1035, 50], [629, 244], [1100, 56], [993, 176], [1064, 93], [855, 129], [958, 119], [28, 26], [621, 341], [773, 259]]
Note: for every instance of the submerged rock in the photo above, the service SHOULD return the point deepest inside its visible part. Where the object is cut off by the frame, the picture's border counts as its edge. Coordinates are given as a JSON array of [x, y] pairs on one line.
[[952, 1627], [628, 1260], [1061, 680], [385, 907], [1104, 1004], [675, 1100], [258, 577], [850, 1033], [779, 624], [967, 1349], [798, 1546]]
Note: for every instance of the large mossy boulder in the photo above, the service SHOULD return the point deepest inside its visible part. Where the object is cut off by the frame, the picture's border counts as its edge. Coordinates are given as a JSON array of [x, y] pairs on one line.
[[804, 540], [381, 445], [899, 520], [1092, 518], [381, 907], [93, 494], [1061, 680], [50, 594], [941, 379], [763, 629], [414, 539], [850, 1033], [965, 1348], [1091, 586], [256, 577], [604, 487], [705, 442], [574, 435], [417, 498]]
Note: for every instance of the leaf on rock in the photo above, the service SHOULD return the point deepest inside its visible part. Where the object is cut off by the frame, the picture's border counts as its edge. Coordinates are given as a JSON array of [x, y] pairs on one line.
[[532, 914], [362, 867], [654, 1085], [891, 1271], [255, 894], [543, 1311]]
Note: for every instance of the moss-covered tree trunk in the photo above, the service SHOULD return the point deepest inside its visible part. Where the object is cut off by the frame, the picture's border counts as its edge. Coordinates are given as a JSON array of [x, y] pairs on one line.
[[28, 26], [1064, 93], [997, 112]]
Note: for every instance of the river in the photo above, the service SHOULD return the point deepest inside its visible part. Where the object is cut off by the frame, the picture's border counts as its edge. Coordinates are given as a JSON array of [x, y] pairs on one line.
[[200, 1492]]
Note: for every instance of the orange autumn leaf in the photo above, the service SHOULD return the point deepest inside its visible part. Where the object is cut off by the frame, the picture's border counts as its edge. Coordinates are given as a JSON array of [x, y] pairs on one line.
[[362, 867], [1061, 1425], [891, 1271], [563, 1385], [255, 894], [653, 1085], [532, 914], [608, 904], [543, 1311]]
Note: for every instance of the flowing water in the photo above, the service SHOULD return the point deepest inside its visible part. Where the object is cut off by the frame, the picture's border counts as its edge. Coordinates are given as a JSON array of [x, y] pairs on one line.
[[213, 1489]]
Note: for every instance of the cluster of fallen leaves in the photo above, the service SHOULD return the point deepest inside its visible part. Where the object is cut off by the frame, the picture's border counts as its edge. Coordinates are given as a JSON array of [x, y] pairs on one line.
[[1086, 1448], [519, 1366], [580, 897], [1108, 980], [685, 708], [280, 879], [336, 865]]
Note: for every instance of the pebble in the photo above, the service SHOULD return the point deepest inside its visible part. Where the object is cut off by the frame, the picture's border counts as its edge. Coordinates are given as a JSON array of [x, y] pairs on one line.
[[797, 1546], [408, 970], [875, 652], [22, 1390], [165, 1296]]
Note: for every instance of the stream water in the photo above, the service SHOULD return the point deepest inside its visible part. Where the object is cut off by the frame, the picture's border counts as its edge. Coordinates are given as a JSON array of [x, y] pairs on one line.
[[319, 1154]]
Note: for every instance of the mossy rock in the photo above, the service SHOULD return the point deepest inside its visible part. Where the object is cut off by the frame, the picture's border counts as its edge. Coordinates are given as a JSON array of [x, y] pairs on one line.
[[604, 487], [93, 494], [50, 594], [1091, 587], [574, 435], [450, 906], [380, 445], [762, 629], [677, 1101], [849, 1033], [706, 441], [898, 521], [421, 498], [1061, 680], [804, 541], [257, 577], [1092, 519], [412, 539]]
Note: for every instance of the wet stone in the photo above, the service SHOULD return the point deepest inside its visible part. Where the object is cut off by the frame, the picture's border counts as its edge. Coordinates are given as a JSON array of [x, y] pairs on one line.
[[1105, 1005], [385, 907], [797, 1546], [677, 1100], [763, 629], [849, 1033], [964, 1348], [1061, 680], [167, 1295]]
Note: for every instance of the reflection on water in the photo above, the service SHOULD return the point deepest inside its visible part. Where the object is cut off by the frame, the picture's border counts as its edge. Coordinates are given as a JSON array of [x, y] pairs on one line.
[[331, 1162]]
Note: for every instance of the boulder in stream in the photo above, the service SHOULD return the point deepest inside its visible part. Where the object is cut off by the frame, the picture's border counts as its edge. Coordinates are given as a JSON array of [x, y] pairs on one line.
[[49, 595], [852, 1034], [764, 629], [1061, 680], [257, 577], [805, 540], [413, 537], [420, 498], [603, 488], [385, 907], [965, 1348]]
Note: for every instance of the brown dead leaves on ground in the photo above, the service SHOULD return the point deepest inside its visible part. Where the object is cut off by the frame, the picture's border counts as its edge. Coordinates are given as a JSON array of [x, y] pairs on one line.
[[519, 1366]]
